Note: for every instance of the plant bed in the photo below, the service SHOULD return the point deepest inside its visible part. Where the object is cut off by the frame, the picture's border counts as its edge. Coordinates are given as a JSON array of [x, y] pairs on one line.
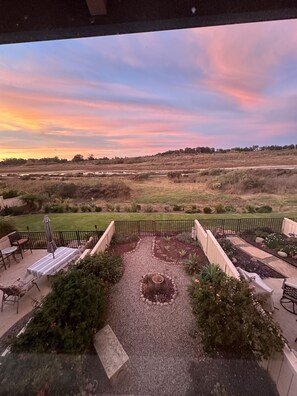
[[158, 289], [246, 262], [273, 243], [123, 244], [177, 248]]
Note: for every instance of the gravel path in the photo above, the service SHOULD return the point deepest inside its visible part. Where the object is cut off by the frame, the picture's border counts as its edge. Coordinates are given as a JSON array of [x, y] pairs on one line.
[[165, 352]]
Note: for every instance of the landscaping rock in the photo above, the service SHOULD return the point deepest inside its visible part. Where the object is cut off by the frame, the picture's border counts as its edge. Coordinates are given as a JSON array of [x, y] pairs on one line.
[[282, 254], [259, 240]]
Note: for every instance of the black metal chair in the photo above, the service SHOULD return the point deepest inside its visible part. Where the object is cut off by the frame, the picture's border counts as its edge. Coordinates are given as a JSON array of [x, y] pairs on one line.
[[22, 243], [289, 297]]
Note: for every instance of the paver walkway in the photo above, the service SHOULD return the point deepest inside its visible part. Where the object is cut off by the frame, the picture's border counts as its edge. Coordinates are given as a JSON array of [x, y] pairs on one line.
[[273, 262], [164, 349]]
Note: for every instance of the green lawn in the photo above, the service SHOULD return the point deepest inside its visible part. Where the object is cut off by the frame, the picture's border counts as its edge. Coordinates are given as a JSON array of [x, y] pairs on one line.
[[87, 221]]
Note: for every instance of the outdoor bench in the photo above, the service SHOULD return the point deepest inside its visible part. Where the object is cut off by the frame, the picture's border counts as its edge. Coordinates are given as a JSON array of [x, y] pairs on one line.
[[112, 355]]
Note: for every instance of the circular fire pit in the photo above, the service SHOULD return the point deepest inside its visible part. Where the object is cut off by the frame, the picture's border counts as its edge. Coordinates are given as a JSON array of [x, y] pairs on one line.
[[158, 289]]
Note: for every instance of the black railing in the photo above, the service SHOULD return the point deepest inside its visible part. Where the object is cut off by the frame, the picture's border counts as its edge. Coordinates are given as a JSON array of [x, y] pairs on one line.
[[62, 238], [167, 227], [153, 227], [242, 224]]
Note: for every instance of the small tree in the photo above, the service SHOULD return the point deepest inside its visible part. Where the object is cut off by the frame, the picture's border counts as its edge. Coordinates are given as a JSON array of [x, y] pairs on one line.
[[78, 158]]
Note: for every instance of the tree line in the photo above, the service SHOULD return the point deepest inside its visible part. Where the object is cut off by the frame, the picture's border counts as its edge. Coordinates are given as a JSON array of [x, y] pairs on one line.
[[187, 150]]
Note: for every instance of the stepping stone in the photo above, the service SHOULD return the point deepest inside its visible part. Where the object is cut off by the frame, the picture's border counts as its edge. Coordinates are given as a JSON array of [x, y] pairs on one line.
[[113, 357]]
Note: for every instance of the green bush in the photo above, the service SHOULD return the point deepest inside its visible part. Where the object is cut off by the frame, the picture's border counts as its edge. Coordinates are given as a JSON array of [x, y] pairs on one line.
[[13, 211], [275, 241], [6, 227], [177, 208], [193, 264], [186, 237], [207, 210], [106, 266], [98, 209], [227, 246], [250, 209], [220, 208], [229, 318], [85, 208], [42, 374], [68, 317], [9, 194]]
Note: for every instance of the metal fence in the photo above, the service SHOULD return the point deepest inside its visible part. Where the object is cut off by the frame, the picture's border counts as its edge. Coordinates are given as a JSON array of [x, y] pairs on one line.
[[242, 225], [168, 227], [62, 238], [153, 227]]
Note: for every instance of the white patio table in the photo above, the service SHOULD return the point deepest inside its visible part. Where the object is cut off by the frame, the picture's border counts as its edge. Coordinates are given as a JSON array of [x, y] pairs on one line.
[[48, 265]]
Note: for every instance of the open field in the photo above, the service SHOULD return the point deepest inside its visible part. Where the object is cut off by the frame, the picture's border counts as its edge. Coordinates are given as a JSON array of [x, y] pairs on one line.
[[87, 221], [183, 162], [161, 183]]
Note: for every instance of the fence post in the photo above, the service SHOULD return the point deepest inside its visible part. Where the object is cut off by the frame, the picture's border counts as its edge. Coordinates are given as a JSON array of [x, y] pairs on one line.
[[61, 238], [78, 237]]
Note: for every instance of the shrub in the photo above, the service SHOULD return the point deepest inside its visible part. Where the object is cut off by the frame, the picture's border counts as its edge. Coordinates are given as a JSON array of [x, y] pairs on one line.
[[264, 209], [13, 210], [177, 208], [118, 208], [149, 209], [85, 208], [68, 317], [42, 374], [10, 194], [193, 264], [275, 241], [230, 209], [230, 319], [250, 209], [98, 209], [106, 266], [220, 208], [54, 208], [227, 246], [207, 210], [185, 237], [6, 227]]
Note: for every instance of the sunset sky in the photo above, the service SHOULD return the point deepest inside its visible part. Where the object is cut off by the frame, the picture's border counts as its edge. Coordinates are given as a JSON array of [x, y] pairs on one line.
[[146, 93]]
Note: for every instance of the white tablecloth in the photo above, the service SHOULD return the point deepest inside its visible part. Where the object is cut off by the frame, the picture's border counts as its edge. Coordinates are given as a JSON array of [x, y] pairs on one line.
[[48, 265]]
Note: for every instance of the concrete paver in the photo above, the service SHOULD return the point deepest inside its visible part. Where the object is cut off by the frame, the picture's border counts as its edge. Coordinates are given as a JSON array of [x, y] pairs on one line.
[[18, 270]]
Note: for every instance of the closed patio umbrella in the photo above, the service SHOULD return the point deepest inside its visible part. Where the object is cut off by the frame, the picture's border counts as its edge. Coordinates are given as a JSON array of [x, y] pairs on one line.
[[51, 245]]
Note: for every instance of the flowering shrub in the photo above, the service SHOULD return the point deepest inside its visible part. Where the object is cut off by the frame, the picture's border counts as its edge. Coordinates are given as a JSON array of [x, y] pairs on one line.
[[275, 241], [279, 242], [230, 319], [68, 317], [227, 246]]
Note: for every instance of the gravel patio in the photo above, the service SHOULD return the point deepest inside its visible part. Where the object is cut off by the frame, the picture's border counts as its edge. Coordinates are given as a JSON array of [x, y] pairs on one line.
[[162, 342]]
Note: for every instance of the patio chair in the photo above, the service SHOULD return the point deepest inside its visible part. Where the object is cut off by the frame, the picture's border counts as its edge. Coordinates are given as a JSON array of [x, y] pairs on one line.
[[22, 243], [289, 297], [5, 256], [13, 293]]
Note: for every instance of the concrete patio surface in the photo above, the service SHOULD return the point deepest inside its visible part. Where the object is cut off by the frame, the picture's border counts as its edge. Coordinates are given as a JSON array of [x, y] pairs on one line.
[[17, 270], [285, 319]]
